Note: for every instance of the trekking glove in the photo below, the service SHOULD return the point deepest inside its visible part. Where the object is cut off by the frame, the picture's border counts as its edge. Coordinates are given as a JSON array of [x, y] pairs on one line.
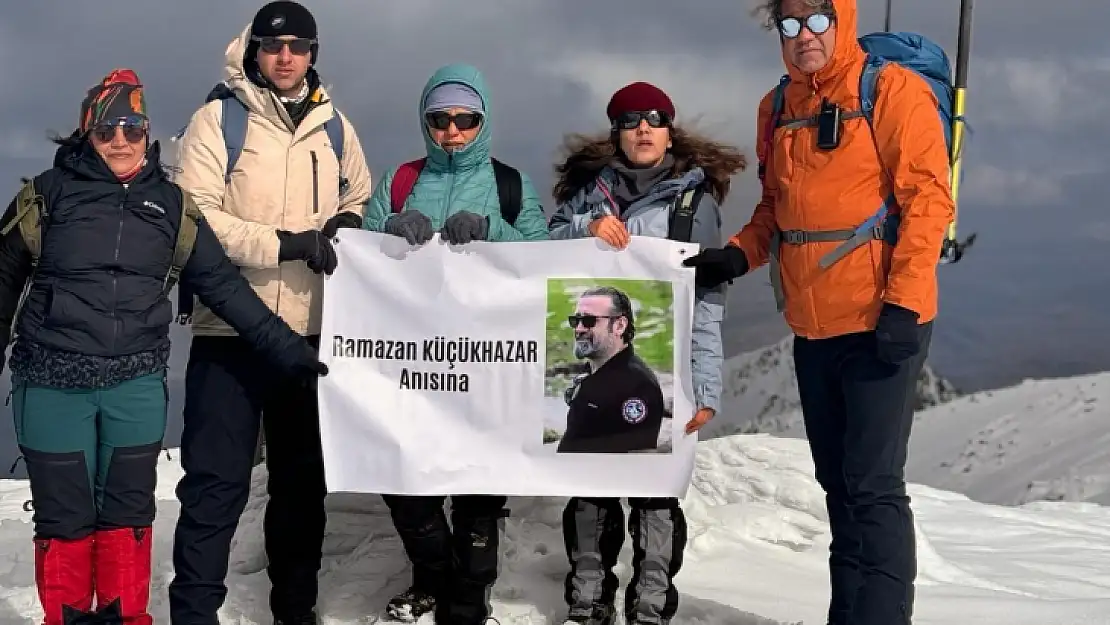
[[346, 219], [713, 266], [464, 227], [412, 226], [304, 363], [310, 246], [611, 230], [897, 335]]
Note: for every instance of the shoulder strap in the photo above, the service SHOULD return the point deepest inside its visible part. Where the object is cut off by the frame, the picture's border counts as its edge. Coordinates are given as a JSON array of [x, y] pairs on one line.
[[234, 126], [509, 190], [404, 179], [682, 217], [186, 237], [778, 103], [30, 208], [334, 128]]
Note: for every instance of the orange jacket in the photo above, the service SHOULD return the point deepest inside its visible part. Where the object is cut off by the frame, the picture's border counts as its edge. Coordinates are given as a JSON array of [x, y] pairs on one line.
[[810, 189]]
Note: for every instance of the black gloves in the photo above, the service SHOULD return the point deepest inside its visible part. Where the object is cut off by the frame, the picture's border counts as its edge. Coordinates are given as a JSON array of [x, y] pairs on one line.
[[303, 363], [310, 246], [412, 226], [897, 334], [464, 227], [346, 219], [716, 265]]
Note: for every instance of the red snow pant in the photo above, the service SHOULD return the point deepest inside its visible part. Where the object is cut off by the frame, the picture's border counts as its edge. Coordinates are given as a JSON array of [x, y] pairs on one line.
[[92, 457]]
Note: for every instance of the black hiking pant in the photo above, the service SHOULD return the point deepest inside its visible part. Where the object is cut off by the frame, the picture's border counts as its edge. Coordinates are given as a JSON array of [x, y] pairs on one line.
[[457, 565], [229, 391], [858, 411], [593, 533]]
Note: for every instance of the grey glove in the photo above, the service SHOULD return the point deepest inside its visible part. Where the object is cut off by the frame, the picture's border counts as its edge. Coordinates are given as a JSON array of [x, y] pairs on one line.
[[464, 227], [412, 226]]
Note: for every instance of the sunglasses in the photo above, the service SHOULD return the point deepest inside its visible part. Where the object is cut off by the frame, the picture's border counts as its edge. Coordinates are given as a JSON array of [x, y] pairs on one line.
[[440, 120], [273, 45], [632, 119], [134, 129], [588, 321], [817, 23]]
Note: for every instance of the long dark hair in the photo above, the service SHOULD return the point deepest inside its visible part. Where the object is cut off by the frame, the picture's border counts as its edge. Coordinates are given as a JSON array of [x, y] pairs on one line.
[[587, 155]]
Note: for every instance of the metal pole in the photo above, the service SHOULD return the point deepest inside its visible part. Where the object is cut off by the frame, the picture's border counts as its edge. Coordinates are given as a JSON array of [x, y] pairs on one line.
[[953, 249], [887, 27]]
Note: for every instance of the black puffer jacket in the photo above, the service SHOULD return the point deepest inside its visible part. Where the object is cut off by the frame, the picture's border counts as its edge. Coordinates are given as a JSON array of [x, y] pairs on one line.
[[95, 314]]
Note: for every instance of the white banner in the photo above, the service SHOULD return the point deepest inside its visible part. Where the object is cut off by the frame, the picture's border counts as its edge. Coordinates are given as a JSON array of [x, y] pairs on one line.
[[455, 369]]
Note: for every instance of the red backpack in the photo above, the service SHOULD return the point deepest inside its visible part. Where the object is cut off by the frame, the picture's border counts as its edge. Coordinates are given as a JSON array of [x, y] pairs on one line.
[[509, 187]]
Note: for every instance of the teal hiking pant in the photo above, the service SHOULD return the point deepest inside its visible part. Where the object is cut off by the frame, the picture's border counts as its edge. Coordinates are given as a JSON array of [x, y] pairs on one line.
[[91, 454]]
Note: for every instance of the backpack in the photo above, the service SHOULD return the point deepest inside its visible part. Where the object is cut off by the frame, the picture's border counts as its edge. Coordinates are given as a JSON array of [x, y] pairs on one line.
[[681, 223], [914, 52], [31, 212], [509, 187]]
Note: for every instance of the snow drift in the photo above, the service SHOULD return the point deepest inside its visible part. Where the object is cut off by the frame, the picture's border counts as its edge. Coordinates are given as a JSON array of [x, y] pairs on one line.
[[756, 556]]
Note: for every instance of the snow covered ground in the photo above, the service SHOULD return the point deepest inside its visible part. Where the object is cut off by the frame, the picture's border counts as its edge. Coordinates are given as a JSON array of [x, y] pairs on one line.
[[758, 544], [1040, 440]]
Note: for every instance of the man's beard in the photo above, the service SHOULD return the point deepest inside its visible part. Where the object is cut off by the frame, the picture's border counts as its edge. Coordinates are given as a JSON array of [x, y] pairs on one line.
[[588, 346]]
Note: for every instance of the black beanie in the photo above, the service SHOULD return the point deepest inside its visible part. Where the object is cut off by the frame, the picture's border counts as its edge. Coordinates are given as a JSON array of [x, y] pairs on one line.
[[284, 17]]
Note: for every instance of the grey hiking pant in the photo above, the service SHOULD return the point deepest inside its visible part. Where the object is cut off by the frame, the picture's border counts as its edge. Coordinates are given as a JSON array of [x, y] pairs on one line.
[[593, 532]]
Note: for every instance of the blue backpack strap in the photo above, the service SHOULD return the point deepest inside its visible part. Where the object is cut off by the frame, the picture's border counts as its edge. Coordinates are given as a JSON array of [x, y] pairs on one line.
[[334, 128], [234, 126]]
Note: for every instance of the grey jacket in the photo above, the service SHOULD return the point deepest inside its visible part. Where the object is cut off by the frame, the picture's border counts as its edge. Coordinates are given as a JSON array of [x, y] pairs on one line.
[[650, 216]]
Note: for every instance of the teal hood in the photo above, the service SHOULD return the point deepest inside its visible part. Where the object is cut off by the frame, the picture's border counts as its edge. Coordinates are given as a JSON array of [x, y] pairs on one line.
[[477, 152]]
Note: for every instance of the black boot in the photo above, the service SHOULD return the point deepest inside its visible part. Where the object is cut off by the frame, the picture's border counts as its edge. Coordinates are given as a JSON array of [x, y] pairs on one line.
[[410, 605]]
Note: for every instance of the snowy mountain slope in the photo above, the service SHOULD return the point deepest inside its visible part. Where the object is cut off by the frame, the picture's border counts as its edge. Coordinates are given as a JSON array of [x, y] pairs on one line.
[[1043, 439], [756, 556], [762, 396]]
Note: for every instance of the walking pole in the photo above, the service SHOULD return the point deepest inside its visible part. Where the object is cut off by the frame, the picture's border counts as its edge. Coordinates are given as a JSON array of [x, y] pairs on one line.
[[953, 249]]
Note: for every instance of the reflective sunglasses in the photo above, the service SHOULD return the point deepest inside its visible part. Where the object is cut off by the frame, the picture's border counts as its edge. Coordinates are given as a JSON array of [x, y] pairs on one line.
[[588, 321], [632, 119], [440, 120], [817, 23], [134, 129], [273, 45]]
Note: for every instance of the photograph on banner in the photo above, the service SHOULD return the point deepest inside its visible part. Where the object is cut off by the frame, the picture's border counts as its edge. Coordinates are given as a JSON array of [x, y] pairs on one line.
[[610, 363]]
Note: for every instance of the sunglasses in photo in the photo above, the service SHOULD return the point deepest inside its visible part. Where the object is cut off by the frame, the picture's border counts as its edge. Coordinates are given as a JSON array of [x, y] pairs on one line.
[[632, 119], [441, 120], [273, 45], [134, 129], [817, 23], [587, 321]]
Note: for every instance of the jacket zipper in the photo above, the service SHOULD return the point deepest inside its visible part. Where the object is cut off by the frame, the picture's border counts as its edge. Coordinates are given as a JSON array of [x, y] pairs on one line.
[[450, 185], [115, 279], [315, 184]]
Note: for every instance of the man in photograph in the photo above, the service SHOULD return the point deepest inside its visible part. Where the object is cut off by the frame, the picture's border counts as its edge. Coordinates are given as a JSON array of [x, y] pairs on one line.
[[618, 406]]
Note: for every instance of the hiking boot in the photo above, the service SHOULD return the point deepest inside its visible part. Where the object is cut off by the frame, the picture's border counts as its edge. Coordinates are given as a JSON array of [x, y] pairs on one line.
[[123, 565], [410, 605], [64, 578]]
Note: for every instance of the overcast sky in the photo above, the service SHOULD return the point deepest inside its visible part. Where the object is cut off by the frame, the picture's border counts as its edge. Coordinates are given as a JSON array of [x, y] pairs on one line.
[[1024, 303]]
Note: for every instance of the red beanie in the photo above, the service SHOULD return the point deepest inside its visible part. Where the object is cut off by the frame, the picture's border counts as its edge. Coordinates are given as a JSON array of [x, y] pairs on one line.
[[639, 96]]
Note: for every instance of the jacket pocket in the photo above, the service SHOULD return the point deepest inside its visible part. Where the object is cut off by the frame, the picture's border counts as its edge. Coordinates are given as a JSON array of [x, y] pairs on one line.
[[65, 310], [315, 183]]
